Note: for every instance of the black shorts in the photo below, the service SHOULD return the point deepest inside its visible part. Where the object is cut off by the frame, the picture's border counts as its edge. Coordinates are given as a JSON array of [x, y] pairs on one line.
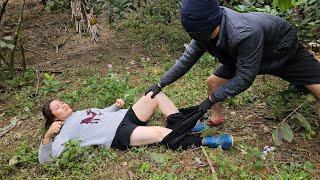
[[128, 124], [303, 69]]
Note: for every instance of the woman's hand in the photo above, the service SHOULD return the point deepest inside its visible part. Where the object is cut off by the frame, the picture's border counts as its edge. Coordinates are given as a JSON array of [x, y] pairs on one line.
[[53, 129], [119, 103]]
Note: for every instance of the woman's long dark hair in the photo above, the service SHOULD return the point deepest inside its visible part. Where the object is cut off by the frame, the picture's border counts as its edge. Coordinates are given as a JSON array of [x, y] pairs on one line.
[[47, 114]]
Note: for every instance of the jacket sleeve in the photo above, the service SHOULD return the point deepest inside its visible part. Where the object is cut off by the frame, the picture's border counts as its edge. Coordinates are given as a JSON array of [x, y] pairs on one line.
[[45, 153], [190, 56], [112, 108], [51, 150], [249, 52]]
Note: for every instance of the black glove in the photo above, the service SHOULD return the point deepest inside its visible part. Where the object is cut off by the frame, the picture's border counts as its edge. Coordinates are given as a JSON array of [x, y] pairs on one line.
[[205, 105], [155, 88]]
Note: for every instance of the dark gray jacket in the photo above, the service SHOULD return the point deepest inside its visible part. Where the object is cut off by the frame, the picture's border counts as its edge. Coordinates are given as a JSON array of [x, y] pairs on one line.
[[250, 43]]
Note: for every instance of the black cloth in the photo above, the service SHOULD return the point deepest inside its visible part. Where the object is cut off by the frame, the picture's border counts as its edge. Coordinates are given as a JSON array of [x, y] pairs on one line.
[[182, 123], [302, 69], [128, 124]]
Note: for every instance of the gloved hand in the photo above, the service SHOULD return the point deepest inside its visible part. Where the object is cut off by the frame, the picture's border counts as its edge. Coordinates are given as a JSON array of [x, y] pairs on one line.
[[155, 88], [205, 105]]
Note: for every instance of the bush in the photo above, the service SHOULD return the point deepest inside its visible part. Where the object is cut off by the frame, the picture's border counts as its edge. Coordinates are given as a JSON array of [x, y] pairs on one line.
[[155, 24]]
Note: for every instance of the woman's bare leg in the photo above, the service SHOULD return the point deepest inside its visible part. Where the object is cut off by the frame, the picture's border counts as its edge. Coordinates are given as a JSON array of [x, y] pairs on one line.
[[145, 106], [143, 135]]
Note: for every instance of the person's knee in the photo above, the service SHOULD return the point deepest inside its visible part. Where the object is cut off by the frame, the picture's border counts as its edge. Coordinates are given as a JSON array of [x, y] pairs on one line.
[[214, 82]]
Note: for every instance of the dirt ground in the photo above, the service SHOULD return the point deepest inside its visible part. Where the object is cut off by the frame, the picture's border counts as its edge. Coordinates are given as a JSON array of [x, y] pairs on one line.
[[43, 31]]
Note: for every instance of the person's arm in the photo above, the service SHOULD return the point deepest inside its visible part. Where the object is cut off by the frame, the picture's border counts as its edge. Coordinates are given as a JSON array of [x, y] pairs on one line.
[[46, 151], [116, 106], [247, 67], [190, 56]]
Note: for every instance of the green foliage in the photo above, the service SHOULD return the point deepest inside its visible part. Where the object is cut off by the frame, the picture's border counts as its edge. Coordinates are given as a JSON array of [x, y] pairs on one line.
[[155, 25], [144, 167], [116, 9], [72, 156], [6, 42], [24, 155], [306, 17], [283, 132], [52, 5], [293, 171], [24, 79], [288, 101], [108, 152], [282, 4], [305, 124], [99, 92], [50, 84]]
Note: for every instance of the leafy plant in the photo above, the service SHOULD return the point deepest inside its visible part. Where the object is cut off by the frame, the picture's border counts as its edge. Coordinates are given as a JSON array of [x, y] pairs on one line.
[[24, 155], [284, 132], [6, 42], [116, 9], [50, 84], [52, 5], [72, 156]]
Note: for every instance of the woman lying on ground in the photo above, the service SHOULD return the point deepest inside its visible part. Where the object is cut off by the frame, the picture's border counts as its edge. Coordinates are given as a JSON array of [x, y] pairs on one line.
[[114, 127]]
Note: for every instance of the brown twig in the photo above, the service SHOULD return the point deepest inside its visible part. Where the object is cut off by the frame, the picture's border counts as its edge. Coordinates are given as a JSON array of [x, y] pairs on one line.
[[213, 171], [130, 175], [42, 70], [291, 113]]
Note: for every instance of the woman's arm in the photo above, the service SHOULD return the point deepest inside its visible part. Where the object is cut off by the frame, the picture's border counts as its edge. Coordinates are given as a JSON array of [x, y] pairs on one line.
[[45, 150], [116, 106]]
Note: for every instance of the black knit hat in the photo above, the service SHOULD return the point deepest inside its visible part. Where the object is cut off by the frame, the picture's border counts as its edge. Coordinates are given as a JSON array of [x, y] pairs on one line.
[[200, 18]]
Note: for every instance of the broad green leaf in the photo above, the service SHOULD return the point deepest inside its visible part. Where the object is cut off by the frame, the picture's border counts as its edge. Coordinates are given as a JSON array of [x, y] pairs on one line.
[[46, 75], [10, 46], [304, 123], [288, 134], [282, 4], [7, 38], [275, 137], [3, 44]]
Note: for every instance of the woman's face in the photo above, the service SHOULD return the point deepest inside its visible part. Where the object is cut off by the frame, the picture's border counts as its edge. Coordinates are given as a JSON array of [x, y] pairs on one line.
[[60, 110]]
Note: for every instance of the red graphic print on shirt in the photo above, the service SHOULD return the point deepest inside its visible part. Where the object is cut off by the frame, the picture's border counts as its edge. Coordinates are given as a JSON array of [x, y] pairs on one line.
[[90, 119]]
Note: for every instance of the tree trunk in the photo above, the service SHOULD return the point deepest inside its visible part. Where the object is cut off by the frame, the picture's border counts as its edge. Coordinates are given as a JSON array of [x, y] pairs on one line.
[[3, 8], [23, 58], [15, 40]]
